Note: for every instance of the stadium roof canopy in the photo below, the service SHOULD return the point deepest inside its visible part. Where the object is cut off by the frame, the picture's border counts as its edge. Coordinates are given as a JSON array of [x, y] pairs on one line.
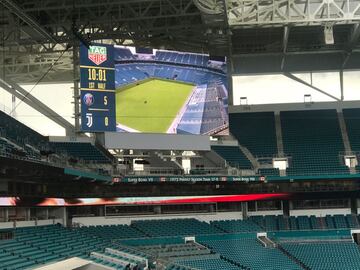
[[260, 36]]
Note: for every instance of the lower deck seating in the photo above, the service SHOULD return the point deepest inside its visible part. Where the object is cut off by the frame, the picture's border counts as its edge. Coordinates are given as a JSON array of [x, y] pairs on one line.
[[174, 227], [326, 255], [209, 264], [43, 244], [250, 254], [236, 225], [224, 244], [113, 232], [174, 251], [275, 223]]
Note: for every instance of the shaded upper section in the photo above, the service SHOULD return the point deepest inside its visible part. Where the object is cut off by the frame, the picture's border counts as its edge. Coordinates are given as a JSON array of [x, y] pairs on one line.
[[313, 139], [256, 131], [18, 140]]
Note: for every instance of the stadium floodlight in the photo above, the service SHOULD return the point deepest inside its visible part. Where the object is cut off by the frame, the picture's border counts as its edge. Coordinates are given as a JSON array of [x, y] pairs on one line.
[[329, 34]]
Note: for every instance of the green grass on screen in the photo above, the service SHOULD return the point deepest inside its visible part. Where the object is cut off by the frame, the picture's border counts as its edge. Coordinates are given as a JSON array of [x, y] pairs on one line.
[[151, 106]]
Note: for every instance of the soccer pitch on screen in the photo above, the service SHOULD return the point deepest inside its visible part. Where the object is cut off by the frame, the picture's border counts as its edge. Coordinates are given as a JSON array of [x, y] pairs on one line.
[[151, 106], [161, 91]]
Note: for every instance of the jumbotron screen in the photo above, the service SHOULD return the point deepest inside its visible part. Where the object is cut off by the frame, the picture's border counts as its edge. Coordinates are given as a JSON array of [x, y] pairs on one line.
[[127, 89]]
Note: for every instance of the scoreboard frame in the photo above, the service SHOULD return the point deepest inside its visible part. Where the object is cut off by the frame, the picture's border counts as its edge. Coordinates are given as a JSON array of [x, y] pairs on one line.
[[97, 88]]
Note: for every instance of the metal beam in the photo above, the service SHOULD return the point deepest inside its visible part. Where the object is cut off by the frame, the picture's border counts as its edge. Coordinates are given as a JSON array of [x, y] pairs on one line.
[[355, 35], [211, 7], [297, 79], [341, 74], [18, 11], [295, 12], [285, 44], [16, 90]]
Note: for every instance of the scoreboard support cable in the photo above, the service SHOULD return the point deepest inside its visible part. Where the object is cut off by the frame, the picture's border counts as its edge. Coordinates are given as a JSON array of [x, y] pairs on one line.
[[97, 88]]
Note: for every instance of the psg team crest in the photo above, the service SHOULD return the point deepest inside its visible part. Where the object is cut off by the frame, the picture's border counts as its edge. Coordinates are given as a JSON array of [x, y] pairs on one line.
[[97, 54], [88, 99]]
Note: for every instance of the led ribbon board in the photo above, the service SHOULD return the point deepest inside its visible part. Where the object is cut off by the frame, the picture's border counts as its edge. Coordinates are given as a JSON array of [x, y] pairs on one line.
[[97, 85], [18, 201]]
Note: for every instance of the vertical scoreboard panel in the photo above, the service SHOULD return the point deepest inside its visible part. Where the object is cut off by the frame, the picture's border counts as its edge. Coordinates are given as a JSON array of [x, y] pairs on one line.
[[97, 85]]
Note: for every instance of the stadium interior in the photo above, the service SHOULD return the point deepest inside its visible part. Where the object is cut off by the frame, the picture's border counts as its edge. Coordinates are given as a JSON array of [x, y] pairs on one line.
[[248, 186]]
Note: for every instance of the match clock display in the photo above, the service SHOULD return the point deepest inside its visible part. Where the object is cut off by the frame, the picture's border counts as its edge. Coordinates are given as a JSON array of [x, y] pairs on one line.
[[97, 86]]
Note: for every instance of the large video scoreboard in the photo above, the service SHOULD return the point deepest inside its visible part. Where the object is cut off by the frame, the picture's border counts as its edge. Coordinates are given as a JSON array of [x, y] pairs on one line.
[[137, 90], [97, 85]]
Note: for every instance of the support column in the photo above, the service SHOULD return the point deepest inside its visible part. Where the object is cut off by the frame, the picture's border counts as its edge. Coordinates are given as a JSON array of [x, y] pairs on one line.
[[102, 211], [279, 139], [13, 106], [244, 210], [66, 217], [344, 133], [157, 209], [27, 214], [341, 74], [212, 208], [354, 203], [286, 208], [6, 214]]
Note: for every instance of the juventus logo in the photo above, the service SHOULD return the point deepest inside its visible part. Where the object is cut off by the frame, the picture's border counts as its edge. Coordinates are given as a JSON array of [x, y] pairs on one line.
[[89, 119]]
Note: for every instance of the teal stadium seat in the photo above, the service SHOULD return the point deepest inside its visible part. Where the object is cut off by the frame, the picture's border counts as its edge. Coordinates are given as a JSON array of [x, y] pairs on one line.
[[314, 142], [352, 117], [233, 226], [209, 264], [234, 156], [326, 255], [85, 151], [230, 244], [255, 131], [174, 227], [269, 172], [250, 254]]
